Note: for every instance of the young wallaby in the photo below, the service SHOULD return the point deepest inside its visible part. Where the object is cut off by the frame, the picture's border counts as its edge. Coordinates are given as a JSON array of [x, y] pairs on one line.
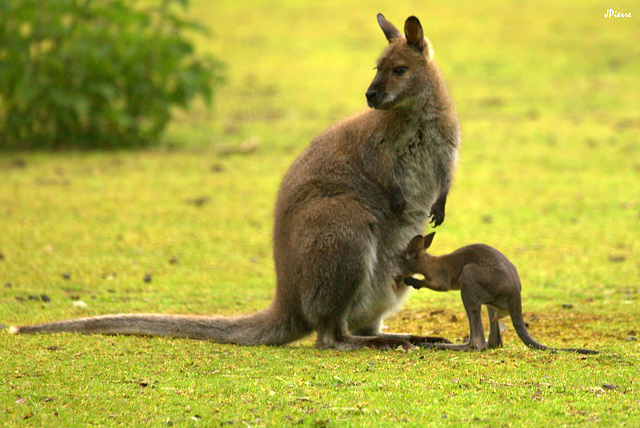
[[484, 276], [344, 212]]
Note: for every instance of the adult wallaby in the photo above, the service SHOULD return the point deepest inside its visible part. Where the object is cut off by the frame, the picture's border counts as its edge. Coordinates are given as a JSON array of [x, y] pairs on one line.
[[345, 210], [484, 276]]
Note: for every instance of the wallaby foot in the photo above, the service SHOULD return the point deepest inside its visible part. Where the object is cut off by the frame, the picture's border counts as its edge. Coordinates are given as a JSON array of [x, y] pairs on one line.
[[374, 331], [455, 347], [446, 346], [349, 343], [413, 339], [384, 343], [337, 337]]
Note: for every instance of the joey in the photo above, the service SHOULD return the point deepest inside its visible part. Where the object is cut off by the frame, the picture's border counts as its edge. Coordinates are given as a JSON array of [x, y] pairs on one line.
[[484, 276]]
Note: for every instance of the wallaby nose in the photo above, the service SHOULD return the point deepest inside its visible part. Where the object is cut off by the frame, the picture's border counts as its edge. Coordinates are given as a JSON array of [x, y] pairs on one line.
[[371, 95]]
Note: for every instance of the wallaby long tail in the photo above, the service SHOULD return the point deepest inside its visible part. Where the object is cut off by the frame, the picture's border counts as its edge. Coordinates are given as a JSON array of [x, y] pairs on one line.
[[260, 328], [515, 311]]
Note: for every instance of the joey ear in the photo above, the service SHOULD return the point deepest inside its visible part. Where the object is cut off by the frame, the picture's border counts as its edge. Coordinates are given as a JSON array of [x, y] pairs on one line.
[[415, 246], [428, 240], [389, 30], [414, 34]]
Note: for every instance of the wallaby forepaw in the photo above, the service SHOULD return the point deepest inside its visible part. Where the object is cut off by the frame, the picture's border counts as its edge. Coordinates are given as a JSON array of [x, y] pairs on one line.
[[413, 282], [436, 215]]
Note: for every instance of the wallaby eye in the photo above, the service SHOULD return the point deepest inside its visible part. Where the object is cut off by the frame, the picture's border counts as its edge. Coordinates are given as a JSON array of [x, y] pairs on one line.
[[399, 71]]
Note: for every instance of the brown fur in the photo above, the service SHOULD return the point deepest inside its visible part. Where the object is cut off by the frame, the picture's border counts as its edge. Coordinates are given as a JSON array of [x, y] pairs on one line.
[[484, 276], [344, 212]]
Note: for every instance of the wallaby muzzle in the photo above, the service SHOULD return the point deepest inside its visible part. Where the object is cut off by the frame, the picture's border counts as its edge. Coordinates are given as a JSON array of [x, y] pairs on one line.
[[375, 94], [373, 98]]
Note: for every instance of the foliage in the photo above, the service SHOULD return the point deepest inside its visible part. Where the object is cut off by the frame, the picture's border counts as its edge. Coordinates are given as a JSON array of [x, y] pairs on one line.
[[95, 73]]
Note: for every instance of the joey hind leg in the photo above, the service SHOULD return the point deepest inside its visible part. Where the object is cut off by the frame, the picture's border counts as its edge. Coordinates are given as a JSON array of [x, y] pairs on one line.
[[472, 298], [476, 331], [476, 336], [495, 337]]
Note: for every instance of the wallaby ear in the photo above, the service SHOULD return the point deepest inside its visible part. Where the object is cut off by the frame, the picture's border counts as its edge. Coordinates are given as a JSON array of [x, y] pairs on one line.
[[389, 30], [415, 246], [414, 34], [428, 240]]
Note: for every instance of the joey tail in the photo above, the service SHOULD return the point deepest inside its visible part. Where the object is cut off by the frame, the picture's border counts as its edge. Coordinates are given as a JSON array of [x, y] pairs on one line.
[[515, 311], [266, 327]]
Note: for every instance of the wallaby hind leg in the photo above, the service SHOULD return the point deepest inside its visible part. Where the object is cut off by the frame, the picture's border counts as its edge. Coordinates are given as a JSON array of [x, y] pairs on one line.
[[339, 261], [495, 337]]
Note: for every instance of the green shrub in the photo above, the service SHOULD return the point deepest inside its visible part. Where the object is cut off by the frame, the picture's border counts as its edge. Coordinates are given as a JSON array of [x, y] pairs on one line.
[[96, 73]]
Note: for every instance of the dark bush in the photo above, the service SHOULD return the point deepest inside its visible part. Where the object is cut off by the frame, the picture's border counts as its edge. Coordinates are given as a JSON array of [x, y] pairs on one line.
[[96, 73]]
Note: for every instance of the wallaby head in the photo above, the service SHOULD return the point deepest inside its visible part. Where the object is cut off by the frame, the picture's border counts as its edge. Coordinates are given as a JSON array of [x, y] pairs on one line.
[[403, 70]]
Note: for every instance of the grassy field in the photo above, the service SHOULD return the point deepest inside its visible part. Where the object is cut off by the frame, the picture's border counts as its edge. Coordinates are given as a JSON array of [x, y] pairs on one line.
[[548, 98]]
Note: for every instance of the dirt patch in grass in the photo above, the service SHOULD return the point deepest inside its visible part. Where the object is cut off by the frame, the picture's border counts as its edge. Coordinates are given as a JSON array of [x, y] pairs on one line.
[[560, 328]]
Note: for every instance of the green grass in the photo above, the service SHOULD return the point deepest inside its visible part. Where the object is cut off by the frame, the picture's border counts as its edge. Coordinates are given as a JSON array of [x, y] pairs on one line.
[[549, 101]]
